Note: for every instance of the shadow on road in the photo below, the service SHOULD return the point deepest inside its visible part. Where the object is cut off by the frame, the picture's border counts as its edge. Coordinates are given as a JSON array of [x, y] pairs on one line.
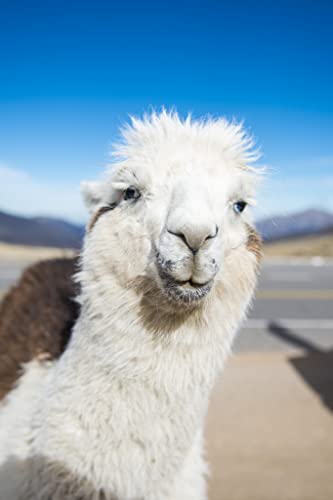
[[315, 367]]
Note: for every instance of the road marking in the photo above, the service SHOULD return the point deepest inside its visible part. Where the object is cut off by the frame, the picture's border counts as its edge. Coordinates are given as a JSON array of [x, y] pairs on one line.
[[298, 261], [288, 276], [310, 324], [270, 294]]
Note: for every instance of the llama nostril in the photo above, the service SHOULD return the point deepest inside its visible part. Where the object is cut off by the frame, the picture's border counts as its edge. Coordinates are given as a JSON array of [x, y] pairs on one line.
[[184, 240], [211, 236], [179, 235]]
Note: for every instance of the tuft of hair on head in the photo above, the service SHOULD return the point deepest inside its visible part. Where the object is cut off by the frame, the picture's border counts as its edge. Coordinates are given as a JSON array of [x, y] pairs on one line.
[[228, 136]]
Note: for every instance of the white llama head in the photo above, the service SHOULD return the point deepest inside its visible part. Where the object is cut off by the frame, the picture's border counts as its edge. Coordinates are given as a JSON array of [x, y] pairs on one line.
[[172, 207]]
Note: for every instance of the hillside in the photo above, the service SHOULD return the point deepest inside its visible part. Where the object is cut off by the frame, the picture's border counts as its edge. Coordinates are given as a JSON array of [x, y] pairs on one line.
[[39, 231], [303, 223]]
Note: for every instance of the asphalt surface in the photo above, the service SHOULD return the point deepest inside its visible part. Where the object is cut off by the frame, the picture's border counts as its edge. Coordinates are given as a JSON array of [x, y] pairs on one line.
[[293, 309], [269, 430], [9, 273]]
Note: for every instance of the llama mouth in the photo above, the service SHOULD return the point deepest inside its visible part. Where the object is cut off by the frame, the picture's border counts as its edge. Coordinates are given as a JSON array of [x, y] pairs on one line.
[[177, 291], [186, 292]]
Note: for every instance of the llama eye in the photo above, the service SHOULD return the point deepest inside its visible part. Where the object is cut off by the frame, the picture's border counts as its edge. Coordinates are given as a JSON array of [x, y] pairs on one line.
[[239, 206], [132, 193]]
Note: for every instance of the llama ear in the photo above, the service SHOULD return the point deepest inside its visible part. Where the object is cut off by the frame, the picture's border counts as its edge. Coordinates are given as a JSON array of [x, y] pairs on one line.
[[91, 192]]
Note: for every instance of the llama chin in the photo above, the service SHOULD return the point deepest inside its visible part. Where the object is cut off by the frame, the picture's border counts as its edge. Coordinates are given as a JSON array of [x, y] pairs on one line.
[[110, 372]]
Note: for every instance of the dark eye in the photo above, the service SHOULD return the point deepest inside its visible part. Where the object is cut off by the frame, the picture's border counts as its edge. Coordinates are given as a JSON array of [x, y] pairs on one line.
[[239, 206], [132, 193]]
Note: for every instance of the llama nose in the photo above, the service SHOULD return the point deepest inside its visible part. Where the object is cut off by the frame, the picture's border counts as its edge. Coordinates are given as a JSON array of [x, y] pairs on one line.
[[195, 236]]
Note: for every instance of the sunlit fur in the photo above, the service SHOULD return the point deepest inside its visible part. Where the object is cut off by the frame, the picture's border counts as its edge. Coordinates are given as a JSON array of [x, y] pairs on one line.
[[120, 415]]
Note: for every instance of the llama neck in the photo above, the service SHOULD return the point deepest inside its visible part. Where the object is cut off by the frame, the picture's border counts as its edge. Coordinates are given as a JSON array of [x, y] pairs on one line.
[[115, 337], [119, 382]]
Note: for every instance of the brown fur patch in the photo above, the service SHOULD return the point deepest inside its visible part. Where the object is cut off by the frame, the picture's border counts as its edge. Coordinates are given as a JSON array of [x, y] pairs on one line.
[[158, 315], [97, 215], [36, 317], [254, 243]]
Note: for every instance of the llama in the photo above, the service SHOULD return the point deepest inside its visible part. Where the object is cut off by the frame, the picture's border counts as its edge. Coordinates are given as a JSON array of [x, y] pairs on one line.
[[114, 407]]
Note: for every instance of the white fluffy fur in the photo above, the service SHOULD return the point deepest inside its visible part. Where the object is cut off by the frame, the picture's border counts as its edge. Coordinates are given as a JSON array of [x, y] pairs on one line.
[[120, 415]]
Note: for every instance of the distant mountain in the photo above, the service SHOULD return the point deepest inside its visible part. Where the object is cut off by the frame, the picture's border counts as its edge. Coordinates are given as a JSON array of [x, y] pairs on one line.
[[39, 231], [298, 224]]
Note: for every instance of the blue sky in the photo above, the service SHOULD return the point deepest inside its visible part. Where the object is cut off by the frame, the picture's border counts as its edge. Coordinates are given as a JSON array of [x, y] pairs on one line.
[[71, 72]]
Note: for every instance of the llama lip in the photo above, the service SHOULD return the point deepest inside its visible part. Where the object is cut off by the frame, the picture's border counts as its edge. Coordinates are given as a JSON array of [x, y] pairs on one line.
[[191, 283], [186, 292]]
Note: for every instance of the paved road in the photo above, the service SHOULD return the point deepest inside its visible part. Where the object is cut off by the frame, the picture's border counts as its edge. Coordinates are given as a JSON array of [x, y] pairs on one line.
[[293, 308], [270, 428], [9, 273]]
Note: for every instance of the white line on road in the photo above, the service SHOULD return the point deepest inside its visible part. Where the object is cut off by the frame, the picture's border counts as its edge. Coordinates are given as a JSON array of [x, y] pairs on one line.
[[298, 261], [289, 277], [310, 324]]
